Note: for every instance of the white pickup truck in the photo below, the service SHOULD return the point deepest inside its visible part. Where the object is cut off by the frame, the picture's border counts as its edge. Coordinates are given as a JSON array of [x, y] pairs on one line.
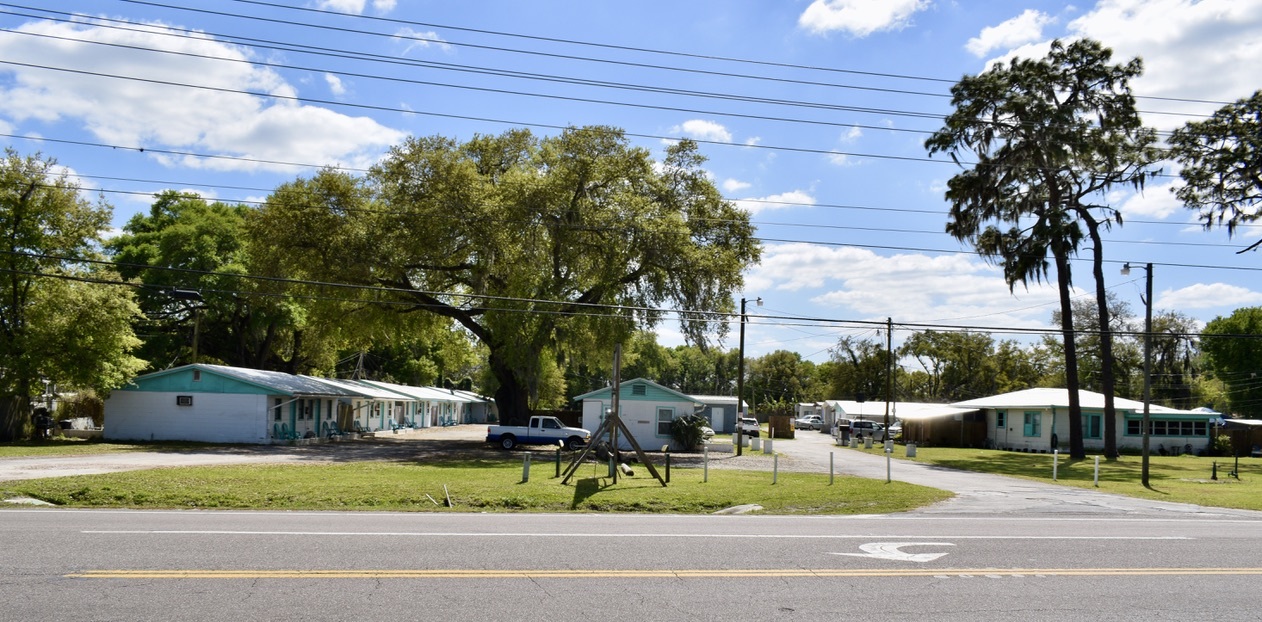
[[541, 431]]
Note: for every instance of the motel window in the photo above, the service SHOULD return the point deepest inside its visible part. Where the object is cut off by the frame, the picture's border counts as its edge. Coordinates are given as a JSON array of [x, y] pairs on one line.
[[276, 408], [1134, 427], [1033, 423], [1001, 419], [1091, 426], [664, 418], [197, 375]]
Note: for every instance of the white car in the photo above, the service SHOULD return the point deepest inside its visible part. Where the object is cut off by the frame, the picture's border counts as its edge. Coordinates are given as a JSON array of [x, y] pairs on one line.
[[809, 422], [749, 425]]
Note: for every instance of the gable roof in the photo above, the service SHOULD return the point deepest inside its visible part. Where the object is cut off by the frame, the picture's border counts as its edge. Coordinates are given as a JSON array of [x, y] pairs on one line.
[[361, 389], [627, 383], [417, 393], [276, 382], [1059, 398], [909, 411]]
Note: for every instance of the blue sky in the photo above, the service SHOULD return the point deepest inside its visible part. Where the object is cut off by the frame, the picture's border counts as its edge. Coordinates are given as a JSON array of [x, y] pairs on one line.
[[812, 113]]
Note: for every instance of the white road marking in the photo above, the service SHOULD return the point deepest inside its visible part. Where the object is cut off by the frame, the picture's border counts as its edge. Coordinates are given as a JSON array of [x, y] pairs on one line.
[[892, 552], [703, 536]]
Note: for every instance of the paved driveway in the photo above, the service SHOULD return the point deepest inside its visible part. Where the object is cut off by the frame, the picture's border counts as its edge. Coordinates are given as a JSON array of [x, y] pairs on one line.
[[982, 493]]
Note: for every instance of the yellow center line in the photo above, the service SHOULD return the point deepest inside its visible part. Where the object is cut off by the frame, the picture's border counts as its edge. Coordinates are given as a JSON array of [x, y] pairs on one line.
[[651, 574]]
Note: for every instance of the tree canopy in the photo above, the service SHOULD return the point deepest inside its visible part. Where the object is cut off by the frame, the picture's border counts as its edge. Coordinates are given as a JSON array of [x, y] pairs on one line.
[[1233, 350], [60, 322], [1051, 137], [1222, 164], [542, 249]]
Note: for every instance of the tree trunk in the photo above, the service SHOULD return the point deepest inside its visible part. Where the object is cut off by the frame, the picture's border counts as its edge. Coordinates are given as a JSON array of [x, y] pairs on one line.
[[15, 415], [1076, 450], [1107, 382], [512, 397]]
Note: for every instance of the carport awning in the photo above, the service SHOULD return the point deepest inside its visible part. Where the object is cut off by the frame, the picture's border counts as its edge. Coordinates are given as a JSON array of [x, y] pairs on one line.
[[928, 412]]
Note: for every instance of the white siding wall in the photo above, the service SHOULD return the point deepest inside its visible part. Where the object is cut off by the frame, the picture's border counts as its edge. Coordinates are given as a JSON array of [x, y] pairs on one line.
[[213, 418], [640, 417]]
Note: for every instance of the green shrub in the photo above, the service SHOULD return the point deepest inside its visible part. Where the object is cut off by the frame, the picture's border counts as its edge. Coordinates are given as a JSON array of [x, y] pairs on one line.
[[688, 431]]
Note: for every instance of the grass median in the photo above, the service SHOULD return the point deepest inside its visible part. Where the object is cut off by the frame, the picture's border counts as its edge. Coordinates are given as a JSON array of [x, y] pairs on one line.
[[473, 486], [1179, 479]]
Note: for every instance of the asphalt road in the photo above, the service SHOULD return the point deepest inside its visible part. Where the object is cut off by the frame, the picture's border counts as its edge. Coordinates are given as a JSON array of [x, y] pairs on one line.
[[199, 565], [1003, 549]]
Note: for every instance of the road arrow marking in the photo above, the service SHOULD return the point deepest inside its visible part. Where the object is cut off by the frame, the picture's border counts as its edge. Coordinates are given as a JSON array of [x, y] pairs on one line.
[[890, 551]]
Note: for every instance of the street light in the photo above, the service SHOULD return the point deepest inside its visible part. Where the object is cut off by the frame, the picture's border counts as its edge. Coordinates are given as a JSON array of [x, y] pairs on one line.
[[740, 377], [1126, 270]]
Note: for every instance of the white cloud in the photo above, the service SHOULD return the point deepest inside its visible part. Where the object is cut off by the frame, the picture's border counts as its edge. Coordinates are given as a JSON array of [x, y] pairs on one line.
[[1154, 202], [703, 130], [858, 283], [851, 135], [1204, 50], [148, 114], [1208, 296], [414, 39], [335, 84], [786, 200], [734, 185], [356, 7], [859, 18], [1024, 28]]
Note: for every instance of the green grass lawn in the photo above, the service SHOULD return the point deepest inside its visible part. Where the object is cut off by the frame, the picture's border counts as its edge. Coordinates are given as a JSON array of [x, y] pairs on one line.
[[63, 446], [1181, 479], [478, 486]]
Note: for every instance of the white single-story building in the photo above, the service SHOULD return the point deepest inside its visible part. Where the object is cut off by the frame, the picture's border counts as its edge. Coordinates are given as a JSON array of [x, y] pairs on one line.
[[1038, 420], [220, 404], [646, 408], [370, 408]]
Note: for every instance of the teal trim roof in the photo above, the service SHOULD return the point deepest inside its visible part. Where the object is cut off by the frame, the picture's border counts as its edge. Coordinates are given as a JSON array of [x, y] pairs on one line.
[[237, 380], [627, 391]]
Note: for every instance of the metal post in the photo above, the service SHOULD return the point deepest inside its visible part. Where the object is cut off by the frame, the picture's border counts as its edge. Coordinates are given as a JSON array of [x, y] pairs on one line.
[[1097, 472], [775, 469], [830, 468], [740, 383], [1055, 462], [1147, 421], [525, 469], [705, 465]]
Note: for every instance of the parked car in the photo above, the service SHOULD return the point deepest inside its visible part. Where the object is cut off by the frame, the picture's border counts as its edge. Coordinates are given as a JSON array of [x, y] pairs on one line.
[[896, 429], [860, 429], [749, 425], [809, 422]]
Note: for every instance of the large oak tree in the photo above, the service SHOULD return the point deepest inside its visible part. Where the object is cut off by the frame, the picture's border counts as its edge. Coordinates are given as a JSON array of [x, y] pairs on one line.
[[540, 248]]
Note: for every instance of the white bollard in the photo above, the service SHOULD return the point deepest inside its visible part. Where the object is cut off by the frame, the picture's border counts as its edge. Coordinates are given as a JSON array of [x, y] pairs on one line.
[[766, 447], [755, 444], [1097, 471], [1055, 462], [830, 468], [525, 469], [705, 464], [775, 469]]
